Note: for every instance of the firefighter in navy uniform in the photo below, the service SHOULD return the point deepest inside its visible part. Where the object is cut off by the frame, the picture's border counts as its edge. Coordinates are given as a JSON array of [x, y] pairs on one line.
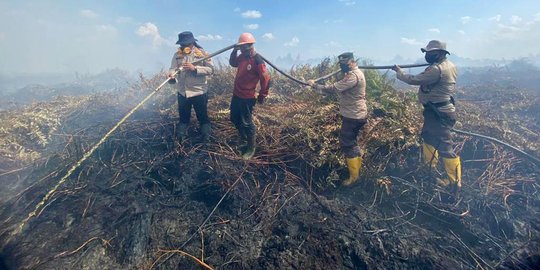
[[191, 84], [351, 91], [251, 71], [437, 87]]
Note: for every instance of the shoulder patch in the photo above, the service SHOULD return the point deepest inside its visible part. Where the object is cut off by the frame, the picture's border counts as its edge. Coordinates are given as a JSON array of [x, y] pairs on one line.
[[199, 52]]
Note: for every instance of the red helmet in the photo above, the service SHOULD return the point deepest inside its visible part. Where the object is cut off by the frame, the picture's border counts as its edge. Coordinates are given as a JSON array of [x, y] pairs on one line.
[[246, 38]]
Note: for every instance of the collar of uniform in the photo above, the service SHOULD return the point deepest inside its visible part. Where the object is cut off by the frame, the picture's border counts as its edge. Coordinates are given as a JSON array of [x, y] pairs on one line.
[[195, 51], [440, 62]]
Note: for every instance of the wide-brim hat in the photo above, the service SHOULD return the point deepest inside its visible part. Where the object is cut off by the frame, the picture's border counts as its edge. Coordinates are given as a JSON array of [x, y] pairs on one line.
[[346, 56], [435, 45], [186, 38]]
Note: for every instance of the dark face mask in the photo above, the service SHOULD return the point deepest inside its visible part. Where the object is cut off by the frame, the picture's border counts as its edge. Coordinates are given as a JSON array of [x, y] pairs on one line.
[[246, 49], [344, 67], [431, 58]]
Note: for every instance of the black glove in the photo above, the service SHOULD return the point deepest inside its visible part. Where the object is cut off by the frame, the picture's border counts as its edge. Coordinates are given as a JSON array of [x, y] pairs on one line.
[[260, 99]]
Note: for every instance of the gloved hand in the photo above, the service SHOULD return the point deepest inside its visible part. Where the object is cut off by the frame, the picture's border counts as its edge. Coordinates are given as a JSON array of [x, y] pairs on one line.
[[260, 99], [172, 79]]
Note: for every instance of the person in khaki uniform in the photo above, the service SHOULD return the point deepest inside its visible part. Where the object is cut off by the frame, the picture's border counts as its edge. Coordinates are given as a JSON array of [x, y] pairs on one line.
[[191, 84], [437, 87], [351, 91]]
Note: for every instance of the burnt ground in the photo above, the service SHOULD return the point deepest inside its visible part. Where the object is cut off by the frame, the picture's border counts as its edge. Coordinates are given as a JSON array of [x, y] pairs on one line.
[[143, 201]]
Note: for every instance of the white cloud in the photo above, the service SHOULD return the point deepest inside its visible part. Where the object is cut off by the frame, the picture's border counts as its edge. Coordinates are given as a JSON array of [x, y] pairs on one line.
[[88, 14], [209, 37], [124, 20], [151, 31], [508, 28], [434, 30], [236, 9], [466, 19], [461, 32], [251, 26], [496, 18], [268, 36], [106, 29], [251, 14], [537, 16], [294, 41], [410, 41], [516, 19], [348, 2], [333, 44]]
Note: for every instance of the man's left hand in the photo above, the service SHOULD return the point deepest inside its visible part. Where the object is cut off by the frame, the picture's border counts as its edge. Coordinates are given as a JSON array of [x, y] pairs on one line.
[[188, 66]]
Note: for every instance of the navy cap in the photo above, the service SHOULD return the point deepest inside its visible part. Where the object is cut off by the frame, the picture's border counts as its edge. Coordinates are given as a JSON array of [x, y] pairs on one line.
[[346, 56], [185, 38]]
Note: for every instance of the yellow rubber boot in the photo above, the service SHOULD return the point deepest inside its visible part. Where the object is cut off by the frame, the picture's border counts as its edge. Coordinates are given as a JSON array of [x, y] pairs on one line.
[[354, 165], [430, 155], [452, 166]]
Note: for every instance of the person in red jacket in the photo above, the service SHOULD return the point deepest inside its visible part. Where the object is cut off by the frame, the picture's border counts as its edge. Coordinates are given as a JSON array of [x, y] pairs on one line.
[[251, 71]]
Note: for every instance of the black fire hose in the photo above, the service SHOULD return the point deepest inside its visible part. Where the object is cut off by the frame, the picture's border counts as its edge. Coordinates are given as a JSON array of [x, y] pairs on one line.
[[335, 72], [532, 158], [370, 67], [432, 107], [284, 73]]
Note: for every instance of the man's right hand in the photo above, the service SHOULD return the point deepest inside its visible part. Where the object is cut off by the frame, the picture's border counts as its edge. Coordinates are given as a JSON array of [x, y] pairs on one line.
[[172, 79], [396, 68]]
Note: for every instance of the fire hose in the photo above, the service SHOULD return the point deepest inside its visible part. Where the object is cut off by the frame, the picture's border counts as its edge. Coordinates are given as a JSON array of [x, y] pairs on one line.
[[532, 158], [335, 72]]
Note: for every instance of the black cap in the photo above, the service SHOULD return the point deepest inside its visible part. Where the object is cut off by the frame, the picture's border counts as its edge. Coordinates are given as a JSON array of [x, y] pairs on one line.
[[346, 56], [185, 38]]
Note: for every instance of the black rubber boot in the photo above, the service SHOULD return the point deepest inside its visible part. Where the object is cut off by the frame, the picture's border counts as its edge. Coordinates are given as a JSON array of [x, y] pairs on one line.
[[182, 132], [250, 149], [206, 132], [242, 139]]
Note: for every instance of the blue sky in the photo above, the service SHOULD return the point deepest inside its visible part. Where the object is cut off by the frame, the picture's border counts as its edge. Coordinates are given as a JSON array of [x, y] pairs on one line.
[[91, 36]]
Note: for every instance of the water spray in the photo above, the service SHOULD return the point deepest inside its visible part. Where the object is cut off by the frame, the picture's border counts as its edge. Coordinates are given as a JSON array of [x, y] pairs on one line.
[[39, 207]]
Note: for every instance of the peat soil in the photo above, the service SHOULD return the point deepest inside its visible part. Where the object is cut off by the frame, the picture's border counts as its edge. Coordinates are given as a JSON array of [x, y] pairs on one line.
[[140, 204], [145, 201]]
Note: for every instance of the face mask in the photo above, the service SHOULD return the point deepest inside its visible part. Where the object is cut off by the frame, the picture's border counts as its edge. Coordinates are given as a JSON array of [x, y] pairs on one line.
[[344, 67], [186, 50], [431, 58], [245, 49]]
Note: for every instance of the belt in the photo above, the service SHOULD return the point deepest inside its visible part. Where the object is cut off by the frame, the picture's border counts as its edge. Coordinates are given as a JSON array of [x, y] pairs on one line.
[[437, 105], [440, 104]]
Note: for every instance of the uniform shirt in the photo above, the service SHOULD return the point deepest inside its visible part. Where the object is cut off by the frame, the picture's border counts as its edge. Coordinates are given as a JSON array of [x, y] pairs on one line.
[[250, 71], [437, 83], [351, 92], [192, 83]]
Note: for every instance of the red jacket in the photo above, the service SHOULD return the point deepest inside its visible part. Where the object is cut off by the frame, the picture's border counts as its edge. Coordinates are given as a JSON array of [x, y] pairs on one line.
[[251, 70]]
